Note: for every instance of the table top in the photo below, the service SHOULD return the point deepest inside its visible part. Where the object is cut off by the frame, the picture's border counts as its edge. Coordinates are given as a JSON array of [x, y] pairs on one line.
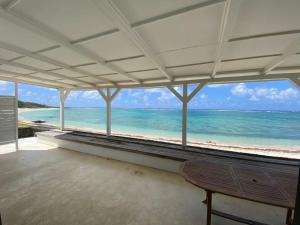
[[261, 182]]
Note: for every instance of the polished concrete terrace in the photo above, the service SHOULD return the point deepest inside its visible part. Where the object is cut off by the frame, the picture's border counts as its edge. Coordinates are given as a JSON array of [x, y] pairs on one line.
[[51, 186]]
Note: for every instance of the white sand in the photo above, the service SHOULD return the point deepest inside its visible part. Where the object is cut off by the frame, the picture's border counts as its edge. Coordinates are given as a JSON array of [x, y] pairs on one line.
[[33, 109]]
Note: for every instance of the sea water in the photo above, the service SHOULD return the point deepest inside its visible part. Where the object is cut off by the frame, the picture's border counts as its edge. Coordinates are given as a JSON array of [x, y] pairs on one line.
[[221, 126]]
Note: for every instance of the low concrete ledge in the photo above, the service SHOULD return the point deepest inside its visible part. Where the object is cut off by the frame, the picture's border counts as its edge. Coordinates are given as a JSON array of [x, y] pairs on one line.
[[153, 154], [166, 164]]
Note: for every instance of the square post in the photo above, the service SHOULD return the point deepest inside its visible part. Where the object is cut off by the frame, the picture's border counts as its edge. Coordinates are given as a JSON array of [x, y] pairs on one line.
[[108, 97], [185, 98], [63, 95], [62, 111], [108, 113], [184, 115]]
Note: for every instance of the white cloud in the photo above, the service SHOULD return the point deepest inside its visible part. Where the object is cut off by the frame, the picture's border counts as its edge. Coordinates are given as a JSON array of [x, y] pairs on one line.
[[255, 94], [253, 98], [284, 94], [28, 93], [146, 98], [164, 94], [74, 94], [90, 95], [217, 85], [241, 90], [154, 90], [84, 95], [136, 93], [203, 97]]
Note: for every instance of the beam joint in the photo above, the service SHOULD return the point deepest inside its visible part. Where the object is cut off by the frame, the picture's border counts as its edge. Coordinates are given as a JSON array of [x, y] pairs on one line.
[[108, 98], [296, 82], [292, 49], [228, 21], [195, 91], [111, 10]]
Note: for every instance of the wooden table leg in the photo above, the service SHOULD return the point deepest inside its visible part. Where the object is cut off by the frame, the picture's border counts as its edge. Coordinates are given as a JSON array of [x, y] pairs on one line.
[[289, 220], [208, 202]]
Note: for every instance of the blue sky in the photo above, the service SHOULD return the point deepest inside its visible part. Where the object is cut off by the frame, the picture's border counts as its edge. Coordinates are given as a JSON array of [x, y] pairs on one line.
[[275, 95]]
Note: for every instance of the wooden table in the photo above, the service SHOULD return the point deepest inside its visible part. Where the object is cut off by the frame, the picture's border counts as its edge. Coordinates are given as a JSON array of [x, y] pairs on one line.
[[260, 182]]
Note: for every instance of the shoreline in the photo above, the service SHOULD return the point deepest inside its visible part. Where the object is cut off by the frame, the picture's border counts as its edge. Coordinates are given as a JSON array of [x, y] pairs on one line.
[[277, 151], [20, 110]]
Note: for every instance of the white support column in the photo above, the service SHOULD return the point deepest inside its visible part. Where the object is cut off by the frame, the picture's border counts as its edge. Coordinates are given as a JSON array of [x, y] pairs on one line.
[[185, 98], [63, 96], [17, 116], [108, 113], [184, 114], [108, 97]]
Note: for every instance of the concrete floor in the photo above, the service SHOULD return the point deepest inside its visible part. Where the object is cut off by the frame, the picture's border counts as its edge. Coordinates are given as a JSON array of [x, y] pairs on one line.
[[44, 186]]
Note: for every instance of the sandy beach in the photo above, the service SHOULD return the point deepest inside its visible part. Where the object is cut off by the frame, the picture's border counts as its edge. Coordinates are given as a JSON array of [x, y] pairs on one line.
[[278, 151], [33, 109]]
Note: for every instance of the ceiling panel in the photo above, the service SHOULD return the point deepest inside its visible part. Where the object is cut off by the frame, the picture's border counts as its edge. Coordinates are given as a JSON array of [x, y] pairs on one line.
[[7, 55], [14, 69], [42, 75], [66, 56], [148, 74], [68, 73], [188, 55], [246, 64], [191, 70], [13, 34], [4, 2], [137, 10], [2, 74], [115, 78], [293, 60], [113, 46], [96, 69], [74, 19], [43, 82], [267, 16], [36, 63], [197, 27], [134, 64], [90, 79], [258, 46]]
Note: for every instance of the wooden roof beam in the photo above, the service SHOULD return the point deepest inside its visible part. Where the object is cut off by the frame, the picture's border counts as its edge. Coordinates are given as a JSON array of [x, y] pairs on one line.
[[35, 69], [229, 18], [42, 30], [292, 49], [48, 60], [110, 9]]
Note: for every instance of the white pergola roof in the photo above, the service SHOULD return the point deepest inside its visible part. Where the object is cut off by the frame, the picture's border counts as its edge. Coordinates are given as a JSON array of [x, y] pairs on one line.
[[88, 44]]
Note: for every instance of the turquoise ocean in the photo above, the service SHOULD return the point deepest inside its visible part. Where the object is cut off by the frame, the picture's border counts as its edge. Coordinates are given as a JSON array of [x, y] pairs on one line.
[[267, 128]]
